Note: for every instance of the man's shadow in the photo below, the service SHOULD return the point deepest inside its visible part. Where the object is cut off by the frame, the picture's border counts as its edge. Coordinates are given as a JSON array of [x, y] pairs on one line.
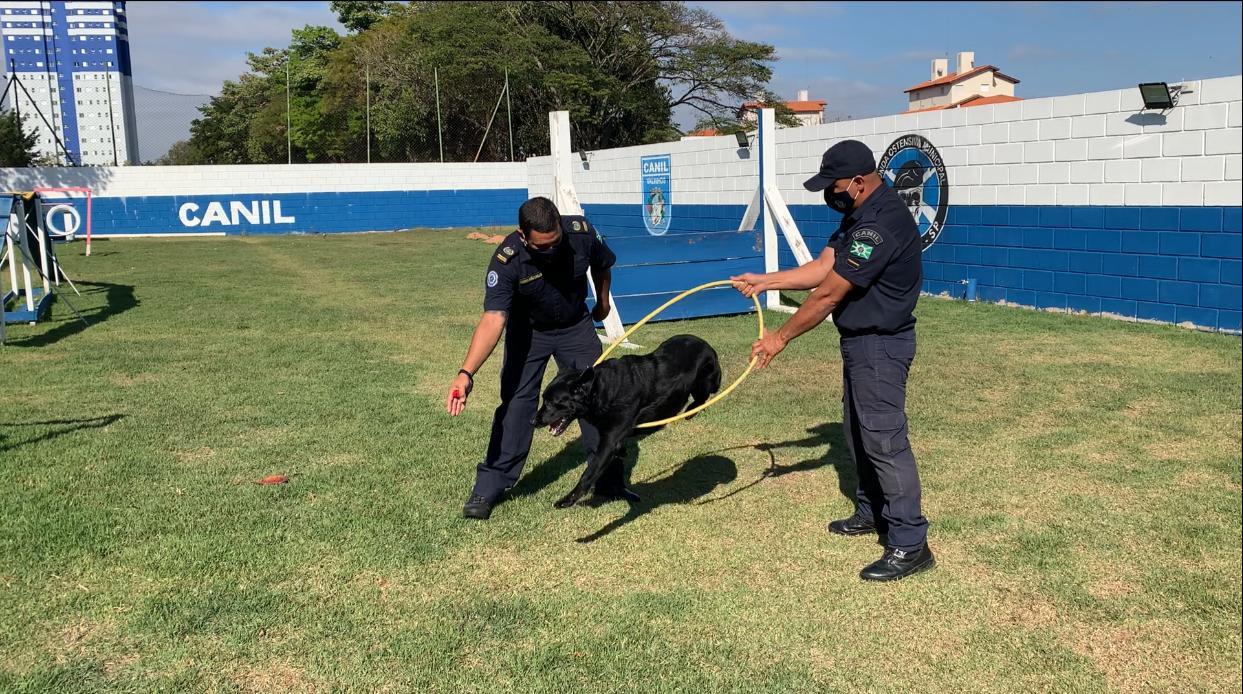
[[837, 455], [64, 426]]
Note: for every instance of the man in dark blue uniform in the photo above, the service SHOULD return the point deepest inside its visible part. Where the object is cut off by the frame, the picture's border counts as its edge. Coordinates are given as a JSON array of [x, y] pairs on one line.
[[868, 277], [536, 292]]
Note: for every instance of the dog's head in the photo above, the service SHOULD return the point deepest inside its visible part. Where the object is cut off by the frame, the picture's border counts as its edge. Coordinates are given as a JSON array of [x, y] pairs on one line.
[[565, 400]]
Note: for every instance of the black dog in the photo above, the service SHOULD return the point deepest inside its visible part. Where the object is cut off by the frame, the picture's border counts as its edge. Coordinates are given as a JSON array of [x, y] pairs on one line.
[[620, 393]]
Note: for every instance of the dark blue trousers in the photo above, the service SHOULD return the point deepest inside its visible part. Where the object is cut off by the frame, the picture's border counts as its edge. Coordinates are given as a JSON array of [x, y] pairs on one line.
[[526, 356], [875, 368]]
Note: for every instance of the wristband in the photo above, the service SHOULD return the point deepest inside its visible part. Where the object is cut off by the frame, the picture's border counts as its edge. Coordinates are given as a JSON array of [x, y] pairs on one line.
[[469, 375]]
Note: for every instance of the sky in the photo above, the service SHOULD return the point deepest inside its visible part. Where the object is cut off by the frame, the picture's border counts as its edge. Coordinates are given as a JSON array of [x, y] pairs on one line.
[[857, 56]]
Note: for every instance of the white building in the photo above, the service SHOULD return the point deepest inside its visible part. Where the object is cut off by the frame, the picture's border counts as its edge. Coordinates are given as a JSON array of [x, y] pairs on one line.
[[74, 79]]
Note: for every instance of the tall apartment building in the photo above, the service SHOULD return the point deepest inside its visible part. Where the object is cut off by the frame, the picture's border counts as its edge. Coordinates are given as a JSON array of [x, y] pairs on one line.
[[73, 61]]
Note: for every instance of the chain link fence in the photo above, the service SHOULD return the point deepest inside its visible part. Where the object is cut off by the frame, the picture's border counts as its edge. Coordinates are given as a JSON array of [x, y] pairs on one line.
[[356, 116]]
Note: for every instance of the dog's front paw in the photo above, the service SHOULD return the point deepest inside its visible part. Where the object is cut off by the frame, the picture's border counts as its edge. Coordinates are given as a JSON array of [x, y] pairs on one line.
[[568, 500]]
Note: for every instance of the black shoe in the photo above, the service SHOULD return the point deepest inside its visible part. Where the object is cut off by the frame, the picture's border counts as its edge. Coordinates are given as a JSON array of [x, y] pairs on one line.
[[897, 564], [477, 507], [622, 494], [852, 526]]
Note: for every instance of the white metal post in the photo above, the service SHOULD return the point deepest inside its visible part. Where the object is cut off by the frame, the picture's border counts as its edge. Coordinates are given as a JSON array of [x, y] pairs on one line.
[[768, 178]]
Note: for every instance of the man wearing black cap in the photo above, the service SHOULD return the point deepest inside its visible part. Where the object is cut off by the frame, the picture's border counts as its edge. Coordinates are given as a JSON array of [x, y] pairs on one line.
[[868, 277]]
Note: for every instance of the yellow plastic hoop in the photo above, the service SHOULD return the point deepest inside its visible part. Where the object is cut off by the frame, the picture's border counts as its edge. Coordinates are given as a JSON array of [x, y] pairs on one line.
[[759, 314]]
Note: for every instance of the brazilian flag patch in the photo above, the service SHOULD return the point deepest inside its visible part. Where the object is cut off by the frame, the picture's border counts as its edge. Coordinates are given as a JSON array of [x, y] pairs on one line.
[[861, 250]]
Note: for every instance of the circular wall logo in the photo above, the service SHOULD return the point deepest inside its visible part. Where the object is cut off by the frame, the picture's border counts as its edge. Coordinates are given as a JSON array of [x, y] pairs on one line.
[[913, 167]]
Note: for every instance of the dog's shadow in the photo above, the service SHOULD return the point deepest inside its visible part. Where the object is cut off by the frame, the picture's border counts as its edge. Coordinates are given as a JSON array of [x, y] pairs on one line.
[[691, 480], [679, 484]]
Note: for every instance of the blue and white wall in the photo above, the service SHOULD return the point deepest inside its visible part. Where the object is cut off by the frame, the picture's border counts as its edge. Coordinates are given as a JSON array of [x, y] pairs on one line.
[[1078, 203], [282, 199]]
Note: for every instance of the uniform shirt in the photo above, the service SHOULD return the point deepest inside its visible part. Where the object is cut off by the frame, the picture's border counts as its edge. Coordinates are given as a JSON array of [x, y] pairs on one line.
[[878, 250], [549, 293]]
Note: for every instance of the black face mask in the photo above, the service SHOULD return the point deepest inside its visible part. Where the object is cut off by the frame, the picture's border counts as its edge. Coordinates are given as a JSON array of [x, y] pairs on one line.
[[840, 202], [548, 254]]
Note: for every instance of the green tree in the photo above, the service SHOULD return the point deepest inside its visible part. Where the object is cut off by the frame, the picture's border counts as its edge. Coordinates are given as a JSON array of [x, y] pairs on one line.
[[17, 145], [619, 68], [360, 15], [180, 153]]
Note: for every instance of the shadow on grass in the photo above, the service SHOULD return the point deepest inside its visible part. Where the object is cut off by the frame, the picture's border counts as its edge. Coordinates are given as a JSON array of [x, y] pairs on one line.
[[69, 426], [694, 479], [828, 434], [118, 298], [685, 482]]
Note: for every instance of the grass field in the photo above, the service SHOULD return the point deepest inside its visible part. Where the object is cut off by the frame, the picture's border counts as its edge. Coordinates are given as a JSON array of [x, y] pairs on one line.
[[1081, 475]]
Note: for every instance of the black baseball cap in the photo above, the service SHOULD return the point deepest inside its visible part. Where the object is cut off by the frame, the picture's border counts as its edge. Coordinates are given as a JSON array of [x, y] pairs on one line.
[[846, 159]]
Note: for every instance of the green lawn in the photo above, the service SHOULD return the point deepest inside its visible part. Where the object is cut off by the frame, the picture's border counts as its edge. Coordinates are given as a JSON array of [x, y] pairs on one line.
[[1082, 478]]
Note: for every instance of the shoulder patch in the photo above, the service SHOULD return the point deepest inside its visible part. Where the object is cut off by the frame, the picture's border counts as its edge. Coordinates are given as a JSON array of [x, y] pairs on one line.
[[493, 278], [861, 249], [868, 236], [508, 250], [502, 258], [577, 225]]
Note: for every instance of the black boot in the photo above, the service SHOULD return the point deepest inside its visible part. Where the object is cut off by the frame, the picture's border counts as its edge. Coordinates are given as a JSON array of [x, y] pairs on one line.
[[852, 526], [897, 564], [477, 507]]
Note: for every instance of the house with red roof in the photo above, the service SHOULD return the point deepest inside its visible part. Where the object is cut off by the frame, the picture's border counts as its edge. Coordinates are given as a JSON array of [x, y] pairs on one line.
[[969, 85]]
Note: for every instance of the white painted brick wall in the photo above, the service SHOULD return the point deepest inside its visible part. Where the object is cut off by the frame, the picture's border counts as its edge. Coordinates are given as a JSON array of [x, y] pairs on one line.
[[1182, 144], [1035, 152], [1055, 172], [1221, 89], [1206, 117], [1161, 170], [1039, 195], [1070, 150], [1105, 148], [994, 175], [1087, 172], [1036, 109], [1072, 194], [1204, 168], [1234, 167], [1068, 105], [1011, 195], [1141, 146], [1102, 102], [1223, 193], [1088, 126], [994, 134], [1008, 154], [1024, 131], [1024, 173], [1228, 141], [1182, 193], [1142, 194], [968, 135], [1055, 129], [1171, 122], [1123, 171], [1107, 194]]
